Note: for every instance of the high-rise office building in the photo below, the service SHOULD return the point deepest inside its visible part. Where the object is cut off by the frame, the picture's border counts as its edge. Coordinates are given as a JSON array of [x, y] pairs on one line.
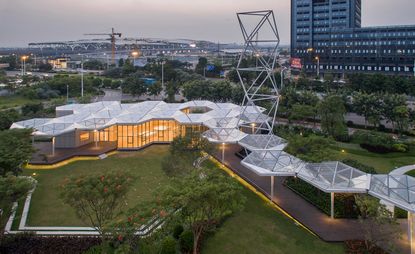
[[327, 35]]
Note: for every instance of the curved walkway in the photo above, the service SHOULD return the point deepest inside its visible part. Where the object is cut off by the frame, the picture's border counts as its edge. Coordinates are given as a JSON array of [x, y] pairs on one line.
[[330, 230], [403, 170]]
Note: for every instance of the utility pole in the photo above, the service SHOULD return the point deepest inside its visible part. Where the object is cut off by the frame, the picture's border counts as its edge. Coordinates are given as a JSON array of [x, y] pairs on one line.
[[82, 76], [162, 74]]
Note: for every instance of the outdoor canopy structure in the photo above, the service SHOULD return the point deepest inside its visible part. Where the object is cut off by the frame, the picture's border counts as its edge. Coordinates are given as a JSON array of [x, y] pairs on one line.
[[249, 125]]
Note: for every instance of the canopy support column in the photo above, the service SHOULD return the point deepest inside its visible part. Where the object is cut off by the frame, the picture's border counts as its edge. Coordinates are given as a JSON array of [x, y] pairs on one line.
[[223, 152], [272, 187], [411, 232], [332, 205], [53, 146]]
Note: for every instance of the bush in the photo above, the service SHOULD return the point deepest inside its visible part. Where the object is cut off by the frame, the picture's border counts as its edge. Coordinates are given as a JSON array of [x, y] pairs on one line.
[[374, 141], [28, 243], [360, 166], [402, 148], [312, 148], [186, 241], [177, 231], [168, 245], [344, 205], [400, 213]]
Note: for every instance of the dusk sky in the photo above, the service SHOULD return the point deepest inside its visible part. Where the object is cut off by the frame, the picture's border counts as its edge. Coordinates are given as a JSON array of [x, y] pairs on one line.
[[24, 21]]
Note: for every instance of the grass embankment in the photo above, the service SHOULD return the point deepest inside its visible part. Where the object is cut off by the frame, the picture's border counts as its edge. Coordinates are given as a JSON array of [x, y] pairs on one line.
[[47, 209], [383, 163], [261, 229]]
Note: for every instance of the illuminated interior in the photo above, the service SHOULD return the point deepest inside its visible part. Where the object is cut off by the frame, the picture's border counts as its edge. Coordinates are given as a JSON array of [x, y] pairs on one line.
[[136, 136]]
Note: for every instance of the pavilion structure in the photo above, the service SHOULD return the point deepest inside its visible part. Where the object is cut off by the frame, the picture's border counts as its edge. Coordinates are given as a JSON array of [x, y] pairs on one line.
[[133, 126]]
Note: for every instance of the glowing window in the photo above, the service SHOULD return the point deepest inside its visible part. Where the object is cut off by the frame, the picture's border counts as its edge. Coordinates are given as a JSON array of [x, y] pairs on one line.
[[84, 136]]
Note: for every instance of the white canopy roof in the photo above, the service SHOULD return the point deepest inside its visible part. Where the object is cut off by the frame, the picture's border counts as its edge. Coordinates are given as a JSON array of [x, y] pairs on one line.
[[100, 115]]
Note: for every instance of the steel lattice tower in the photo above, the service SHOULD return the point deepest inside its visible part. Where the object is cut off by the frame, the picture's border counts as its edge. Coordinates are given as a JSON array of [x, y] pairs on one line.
[[259, 30]]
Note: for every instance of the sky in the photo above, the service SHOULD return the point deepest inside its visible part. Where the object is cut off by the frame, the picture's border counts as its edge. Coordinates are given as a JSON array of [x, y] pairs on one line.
[[24, 21]]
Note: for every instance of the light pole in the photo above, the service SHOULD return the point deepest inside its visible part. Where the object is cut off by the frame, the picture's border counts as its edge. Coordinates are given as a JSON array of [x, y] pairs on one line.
[[134, 54], [24, 65], [318, 66], [162, 74], [67, 94], [82, 75]]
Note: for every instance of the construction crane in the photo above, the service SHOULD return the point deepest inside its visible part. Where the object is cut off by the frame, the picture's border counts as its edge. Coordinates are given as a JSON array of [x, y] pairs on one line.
[[112, 36]]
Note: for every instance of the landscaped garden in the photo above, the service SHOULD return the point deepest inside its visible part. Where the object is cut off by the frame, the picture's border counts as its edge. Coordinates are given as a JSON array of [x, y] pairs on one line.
[[258, 228], [47, 209], [257, 222]]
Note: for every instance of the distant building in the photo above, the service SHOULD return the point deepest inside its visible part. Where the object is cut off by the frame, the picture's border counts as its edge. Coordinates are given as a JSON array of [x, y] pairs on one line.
[[59, 63], [328, 33], [4, 65]]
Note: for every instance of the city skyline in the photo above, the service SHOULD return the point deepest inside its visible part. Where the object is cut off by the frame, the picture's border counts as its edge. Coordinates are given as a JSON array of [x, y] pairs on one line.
[[46, 20]]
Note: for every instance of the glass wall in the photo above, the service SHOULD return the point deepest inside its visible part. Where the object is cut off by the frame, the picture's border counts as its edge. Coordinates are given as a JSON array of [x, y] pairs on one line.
[[109, 134], [136, 136]]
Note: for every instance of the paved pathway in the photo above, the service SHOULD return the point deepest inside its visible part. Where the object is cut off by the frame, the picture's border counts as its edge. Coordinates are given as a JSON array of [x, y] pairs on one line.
[[326, 228], [403, 170]]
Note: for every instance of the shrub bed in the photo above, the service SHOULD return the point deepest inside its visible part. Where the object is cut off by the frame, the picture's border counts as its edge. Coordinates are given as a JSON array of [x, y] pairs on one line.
[[344, 204], [377, 142], [28, 243]]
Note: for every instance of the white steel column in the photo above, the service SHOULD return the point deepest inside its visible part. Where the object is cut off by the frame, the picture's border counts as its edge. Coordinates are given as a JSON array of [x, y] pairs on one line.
[[272, 187], [332, 205], [411, 232], [53, 146], [223, 152]]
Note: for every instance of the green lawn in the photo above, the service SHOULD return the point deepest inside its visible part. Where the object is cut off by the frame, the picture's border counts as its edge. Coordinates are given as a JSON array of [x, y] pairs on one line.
[[260, 229], [257, 229], [383, 163], [48, 210], [14, 101]]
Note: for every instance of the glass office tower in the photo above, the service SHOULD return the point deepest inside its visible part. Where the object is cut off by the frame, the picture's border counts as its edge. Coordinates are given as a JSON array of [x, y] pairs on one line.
[[327, 34]]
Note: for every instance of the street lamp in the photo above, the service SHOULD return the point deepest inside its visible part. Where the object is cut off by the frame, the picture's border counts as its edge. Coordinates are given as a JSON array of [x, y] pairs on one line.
[[135, 54], [24, 64]]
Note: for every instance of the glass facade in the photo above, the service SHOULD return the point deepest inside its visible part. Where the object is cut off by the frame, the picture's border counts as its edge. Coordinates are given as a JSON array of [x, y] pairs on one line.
[[330, 31], [130, 136]]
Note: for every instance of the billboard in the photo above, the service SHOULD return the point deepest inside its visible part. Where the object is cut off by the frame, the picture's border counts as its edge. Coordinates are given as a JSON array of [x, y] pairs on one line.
[[296, 63]]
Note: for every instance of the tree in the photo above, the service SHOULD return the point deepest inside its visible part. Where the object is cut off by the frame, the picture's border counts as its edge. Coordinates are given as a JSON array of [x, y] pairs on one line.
[[134, 85], [7, 117], [12, 189], [155, 89], [97, 199], [402, 118], [390, 102], [378, 223], [11, 160], [184, 150], [45, 67], [201, 65], [302, 112], [331, 111], [369, 106], [202, 199]]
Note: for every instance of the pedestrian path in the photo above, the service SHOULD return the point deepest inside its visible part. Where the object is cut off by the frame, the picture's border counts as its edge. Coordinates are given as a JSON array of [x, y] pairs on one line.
[[331, 230]]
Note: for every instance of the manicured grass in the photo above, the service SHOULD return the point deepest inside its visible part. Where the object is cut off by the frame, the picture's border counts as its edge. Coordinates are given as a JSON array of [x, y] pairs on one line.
[[47, 209], [14, 101], [261, 229], [411, 173], [383, 163]]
